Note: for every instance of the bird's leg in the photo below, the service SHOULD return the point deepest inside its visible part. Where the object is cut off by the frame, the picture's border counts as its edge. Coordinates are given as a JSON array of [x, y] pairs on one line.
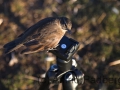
[[52, 49], [54, 46]]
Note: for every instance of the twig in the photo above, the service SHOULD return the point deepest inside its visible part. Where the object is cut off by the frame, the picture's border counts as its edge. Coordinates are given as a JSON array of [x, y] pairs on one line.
[[114, 63], [34, 78]]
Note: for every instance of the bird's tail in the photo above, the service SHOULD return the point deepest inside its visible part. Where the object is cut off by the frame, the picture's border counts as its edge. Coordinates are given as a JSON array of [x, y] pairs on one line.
[[11, 46]]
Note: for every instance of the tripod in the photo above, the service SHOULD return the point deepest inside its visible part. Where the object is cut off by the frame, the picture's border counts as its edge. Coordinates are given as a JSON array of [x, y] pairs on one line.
[[65, 70]]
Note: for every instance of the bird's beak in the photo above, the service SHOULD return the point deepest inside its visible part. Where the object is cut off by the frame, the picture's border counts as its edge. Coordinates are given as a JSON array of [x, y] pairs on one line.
[[69, 31]]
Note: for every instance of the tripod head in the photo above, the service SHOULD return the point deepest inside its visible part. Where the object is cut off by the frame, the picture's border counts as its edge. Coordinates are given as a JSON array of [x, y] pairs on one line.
[[66, 48]]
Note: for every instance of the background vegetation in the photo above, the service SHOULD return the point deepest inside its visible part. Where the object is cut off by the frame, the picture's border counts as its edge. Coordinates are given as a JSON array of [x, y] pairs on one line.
[[96, 25]]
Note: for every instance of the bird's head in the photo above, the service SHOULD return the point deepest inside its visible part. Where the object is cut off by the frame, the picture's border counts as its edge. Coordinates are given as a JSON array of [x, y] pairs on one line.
[[65, 23]]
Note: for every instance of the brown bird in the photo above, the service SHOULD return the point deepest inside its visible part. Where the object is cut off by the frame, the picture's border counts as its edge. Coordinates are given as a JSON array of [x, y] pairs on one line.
[[44, 35]]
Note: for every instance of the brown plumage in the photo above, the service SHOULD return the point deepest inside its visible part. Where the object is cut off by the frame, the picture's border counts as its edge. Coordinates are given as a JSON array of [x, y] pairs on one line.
[[44, 35]]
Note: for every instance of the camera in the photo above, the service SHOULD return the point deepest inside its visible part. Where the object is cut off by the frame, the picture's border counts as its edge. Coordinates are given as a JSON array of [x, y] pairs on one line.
[[66, 48]]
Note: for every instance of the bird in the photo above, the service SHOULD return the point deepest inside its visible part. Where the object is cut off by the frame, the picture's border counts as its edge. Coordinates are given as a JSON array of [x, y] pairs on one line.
[[44, 35]]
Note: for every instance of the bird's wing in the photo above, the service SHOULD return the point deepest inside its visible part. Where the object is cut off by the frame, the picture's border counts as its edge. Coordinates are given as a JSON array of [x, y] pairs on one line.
[[45, 40], [48, 35], [34, 33], [25, 36], [38, 29]]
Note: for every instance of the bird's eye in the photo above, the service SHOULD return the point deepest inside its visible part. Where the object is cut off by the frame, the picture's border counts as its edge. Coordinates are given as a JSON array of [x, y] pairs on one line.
[[65, 23]]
